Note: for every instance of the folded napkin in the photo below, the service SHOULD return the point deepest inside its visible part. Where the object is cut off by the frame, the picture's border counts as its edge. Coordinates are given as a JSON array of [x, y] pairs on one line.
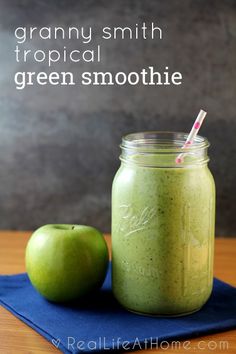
[[101, 324]]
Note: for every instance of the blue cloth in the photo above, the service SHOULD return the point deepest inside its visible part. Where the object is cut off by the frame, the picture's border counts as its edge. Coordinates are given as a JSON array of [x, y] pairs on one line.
[[100, 323]]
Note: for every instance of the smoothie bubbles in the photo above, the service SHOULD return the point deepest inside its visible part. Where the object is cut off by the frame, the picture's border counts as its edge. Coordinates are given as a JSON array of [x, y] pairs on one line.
[[163, 216]]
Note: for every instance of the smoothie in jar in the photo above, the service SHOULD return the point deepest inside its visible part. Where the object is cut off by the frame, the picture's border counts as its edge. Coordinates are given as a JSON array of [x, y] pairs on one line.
[[162, 225]]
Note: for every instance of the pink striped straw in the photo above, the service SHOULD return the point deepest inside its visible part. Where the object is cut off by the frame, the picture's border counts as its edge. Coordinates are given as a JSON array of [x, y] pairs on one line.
[[190, 139]]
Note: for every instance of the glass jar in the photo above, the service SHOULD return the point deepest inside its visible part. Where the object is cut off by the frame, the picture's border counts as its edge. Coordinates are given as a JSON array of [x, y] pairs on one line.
[[163, 217]]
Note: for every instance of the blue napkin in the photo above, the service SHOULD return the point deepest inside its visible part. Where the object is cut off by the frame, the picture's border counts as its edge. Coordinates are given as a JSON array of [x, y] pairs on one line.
[[101, 324]]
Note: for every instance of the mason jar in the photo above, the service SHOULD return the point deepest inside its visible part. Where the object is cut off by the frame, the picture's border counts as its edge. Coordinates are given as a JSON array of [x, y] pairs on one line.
[[163, 217]]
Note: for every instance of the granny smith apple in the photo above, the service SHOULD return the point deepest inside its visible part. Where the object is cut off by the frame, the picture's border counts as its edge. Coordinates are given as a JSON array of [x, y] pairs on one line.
[[65, 262]]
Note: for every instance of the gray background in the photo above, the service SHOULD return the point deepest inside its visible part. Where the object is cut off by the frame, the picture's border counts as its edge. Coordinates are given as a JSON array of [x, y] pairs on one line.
[[59, 146]]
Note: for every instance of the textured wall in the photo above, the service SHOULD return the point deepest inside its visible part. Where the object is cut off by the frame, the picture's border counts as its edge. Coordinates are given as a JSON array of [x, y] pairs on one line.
[[59, 146]]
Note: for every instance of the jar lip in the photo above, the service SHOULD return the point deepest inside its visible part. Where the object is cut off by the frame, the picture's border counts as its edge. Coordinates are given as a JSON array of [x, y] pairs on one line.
[[162, 142]]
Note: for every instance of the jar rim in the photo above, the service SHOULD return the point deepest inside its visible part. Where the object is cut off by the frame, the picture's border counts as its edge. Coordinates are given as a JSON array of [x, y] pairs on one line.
[[162, 142]]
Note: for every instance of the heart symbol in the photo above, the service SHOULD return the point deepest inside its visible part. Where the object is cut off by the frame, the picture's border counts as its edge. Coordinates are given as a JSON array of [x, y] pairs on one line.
[[56, 343]]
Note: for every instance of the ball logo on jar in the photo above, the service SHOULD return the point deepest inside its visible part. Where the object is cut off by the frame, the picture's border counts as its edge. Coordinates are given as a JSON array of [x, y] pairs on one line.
[[133, 221]]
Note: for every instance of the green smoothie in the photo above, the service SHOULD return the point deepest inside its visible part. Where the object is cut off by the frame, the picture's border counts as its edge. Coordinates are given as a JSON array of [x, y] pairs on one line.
[[163, 238]]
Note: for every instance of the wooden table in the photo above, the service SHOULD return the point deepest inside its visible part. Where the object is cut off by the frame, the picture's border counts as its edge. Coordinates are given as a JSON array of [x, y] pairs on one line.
[[17, 337]]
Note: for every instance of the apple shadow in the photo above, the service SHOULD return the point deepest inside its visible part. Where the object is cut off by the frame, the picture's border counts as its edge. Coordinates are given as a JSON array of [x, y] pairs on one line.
[[100, 301]]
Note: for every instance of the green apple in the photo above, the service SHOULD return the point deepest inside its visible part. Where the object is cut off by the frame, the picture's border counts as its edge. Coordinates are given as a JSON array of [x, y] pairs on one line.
[[66, 262]]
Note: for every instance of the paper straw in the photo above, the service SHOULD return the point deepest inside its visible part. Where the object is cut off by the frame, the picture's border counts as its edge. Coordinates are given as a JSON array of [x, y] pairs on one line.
[[190, 139]]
